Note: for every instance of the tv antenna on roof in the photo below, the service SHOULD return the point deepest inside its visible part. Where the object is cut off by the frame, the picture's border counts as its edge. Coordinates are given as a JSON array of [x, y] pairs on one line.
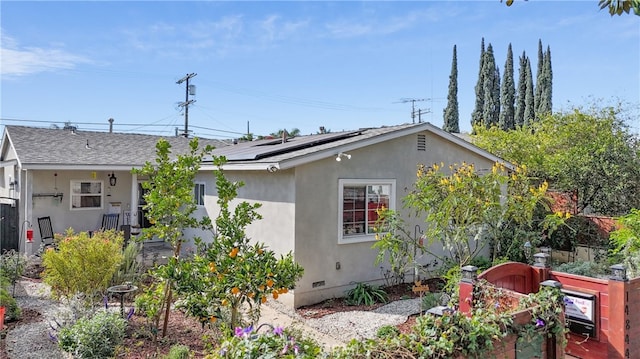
[[413, 105]]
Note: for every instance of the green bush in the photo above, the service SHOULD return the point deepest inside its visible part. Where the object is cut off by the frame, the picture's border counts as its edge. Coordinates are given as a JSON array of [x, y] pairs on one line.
[[365, 294], [12, 311], [93, 338], [82, 265], [587, 269], [178, 351], [12, 265], [431, 299], [387, 331]]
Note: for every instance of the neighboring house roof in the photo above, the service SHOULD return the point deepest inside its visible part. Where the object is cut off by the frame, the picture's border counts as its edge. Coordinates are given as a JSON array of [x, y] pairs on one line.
[[274, 154], [45, 148]]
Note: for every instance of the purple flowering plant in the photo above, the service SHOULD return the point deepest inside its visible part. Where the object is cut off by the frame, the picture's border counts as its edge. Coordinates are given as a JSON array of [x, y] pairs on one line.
[[252, 342]]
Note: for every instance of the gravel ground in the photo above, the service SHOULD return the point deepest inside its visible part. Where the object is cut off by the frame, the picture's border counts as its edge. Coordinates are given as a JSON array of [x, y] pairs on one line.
[[344, 326], [32, 340]]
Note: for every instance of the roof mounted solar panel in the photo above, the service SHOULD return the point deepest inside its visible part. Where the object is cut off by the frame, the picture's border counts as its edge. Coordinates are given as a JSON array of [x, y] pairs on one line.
[[265, 148]]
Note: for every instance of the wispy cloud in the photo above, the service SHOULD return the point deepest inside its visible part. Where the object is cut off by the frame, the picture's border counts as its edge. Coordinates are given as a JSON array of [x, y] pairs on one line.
[[219, 37], [378, 25], [22, 61]]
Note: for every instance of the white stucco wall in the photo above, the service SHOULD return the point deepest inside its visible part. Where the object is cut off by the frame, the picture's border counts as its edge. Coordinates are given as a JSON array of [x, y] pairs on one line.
[[276, 194], [62, 217], [316, 233]]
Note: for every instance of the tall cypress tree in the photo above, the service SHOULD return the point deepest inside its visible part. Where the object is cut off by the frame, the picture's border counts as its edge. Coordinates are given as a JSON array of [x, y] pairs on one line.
[[529, 104], [451, 114], [544, 105], [508, 95], [522, 90], [476, 115], [539, 76], [491, 89]]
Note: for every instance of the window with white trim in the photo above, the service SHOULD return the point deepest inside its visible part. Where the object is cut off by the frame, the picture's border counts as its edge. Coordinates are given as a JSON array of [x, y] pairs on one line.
[[358, 203], [86, 195], [198, 194]]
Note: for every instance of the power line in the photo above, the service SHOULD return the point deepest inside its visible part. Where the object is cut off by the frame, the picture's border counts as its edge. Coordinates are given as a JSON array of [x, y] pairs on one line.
[[106, 125]]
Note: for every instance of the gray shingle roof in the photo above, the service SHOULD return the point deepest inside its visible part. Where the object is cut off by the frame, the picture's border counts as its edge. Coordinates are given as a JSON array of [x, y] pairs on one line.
[[44, 146]]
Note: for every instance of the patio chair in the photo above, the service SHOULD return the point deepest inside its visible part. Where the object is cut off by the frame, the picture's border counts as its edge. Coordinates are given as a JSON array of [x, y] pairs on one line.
[[110, 221], [46, 231]]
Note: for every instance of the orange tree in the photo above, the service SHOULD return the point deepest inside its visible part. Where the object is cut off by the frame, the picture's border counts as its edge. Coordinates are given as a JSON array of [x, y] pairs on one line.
[[465, 208], [170, 205], [230, 273]]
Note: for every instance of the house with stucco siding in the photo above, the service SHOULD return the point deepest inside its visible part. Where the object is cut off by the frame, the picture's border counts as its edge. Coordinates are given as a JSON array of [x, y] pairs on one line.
[[318, 193]]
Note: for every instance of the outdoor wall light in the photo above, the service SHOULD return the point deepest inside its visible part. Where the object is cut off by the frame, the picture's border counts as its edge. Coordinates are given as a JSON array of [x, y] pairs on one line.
[[341, 155], [112, 179]]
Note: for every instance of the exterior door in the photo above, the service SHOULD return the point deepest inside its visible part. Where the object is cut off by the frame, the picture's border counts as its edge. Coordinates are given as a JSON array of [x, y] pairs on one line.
[[9, 234], [142, 213]]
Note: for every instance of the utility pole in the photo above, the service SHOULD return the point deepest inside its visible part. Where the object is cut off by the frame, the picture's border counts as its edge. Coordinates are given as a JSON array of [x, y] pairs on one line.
[[413, 105], [189, 90]]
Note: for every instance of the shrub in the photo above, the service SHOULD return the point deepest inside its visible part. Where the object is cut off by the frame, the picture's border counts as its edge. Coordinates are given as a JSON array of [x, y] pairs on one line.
[[130, 269], [588, 269], [365, 294], [96, 337], [12, 265], [387, 331], [431, 299], [150, 304], [248, 343], [82, 265], [12, 311], [178, 351]]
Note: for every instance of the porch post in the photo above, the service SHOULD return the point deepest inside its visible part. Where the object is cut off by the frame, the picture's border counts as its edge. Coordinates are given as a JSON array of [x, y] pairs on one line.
[[134, 200]]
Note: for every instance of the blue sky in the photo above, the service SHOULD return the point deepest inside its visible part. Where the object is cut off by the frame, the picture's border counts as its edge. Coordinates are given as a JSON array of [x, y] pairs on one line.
[[304, 64]]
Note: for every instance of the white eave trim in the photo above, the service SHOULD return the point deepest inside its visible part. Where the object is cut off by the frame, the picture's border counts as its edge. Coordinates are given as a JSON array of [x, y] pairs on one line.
[[8, 163], [79, 167]]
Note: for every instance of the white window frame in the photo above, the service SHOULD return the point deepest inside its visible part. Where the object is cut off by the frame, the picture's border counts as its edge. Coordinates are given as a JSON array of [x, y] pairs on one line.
[[73, 195], [203, 187], [364, 236]]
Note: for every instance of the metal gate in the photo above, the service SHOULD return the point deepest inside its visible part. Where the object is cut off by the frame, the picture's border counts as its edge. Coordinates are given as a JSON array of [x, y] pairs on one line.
[[9, 226]]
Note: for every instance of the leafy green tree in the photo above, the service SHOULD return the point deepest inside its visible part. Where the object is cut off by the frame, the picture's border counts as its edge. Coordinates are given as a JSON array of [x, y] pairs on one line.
[[521, 93], [544, 105], [626, 242], [294, 132], [451, 114], [539, 78], [476, 116], [589, 152], [169, 200], [616, 7], [230, 271], [465, 210], [529, 100], [491, 89], [508, 95]]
